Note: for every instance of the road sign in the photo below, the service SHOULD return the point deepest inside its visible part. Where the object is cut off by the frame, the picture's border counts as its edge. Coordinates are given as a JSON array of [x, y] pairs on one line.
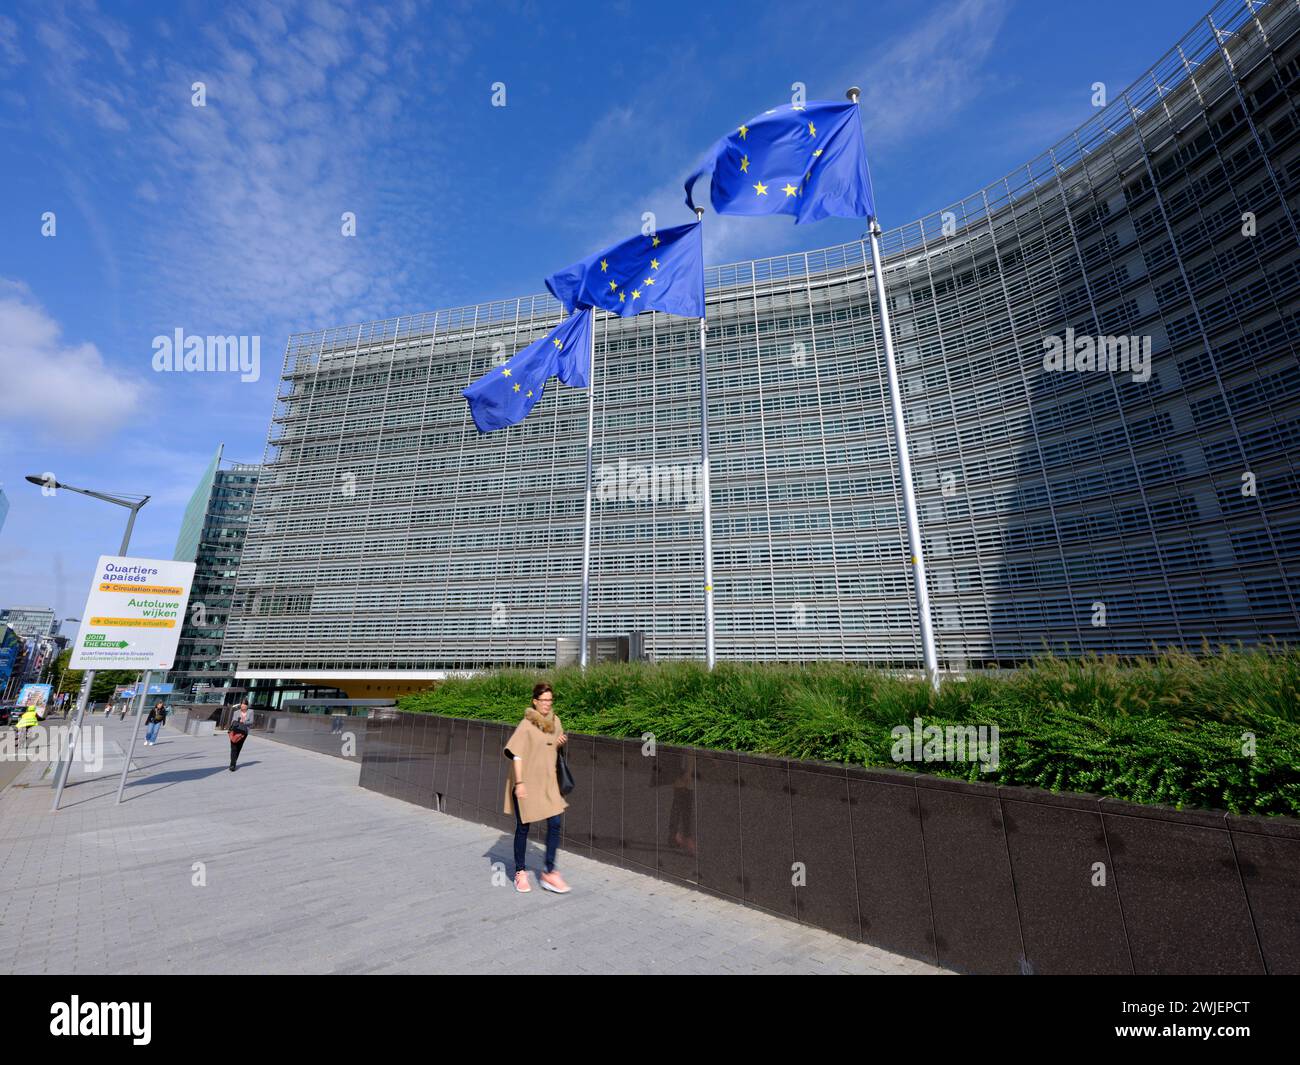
[[133, 614], [131, 692]]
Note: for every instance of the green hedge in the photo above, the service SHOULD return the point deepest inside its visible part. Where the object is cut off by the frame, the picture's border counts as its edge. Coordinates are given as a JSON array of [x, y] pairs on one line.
[[1170, 729]]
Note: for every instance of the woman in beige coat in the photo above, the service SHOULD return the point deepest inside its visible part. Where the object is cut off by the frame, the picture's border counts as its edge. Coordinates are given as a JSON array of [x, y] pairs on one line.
[[532, 791]]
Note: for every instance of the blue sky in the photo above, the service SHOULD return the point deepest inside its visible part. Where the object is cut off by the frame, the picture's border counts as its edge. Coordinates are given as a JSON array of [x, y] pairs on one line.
[[225, 219]]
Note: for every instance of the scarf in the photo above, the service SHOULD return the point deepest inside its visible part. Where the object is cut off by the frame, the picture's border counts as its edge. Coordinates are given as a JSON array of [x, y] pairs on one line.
[[546, 724]]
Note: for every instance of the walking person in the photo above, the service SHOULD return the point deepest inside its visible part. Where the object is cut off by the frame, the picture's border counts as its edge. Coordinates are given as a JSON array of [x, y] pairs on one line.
[[240, 722], [532, 790], [153, 723]]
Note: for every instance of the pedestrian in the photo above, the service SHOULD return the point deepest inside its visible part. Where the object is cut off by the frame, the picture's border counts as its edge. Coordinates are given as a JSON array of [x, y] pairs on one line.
[[240, 722], [532, 790], [154, 722], [122, 715]]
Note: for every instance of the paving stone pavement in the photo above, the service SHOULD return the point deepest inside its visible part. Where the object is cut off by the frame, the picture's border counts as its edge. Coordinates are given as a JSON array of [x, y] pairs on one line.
[[303, 872]]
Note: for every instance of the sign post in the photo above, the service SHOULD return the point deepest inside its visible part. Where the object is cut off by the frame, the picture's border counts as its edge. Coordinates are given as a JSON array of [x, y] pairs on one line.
[[132, 620], [135, 730]]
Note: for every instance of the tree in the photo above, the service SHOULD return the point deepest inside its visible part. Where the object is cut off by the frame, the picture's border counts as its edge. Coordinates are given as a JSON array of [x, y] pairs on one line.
[[63, 677]]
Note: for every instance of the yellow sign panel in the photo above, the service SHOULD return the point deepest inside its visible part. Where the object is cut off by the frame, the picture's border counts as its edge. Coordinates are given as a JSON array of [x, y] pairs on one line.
[[137, 623]]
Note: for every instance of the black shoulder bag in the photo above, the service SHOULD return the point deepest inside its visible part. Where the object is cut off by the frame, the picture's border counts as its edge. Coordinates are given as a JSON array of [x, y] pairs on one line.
[[562, 774]]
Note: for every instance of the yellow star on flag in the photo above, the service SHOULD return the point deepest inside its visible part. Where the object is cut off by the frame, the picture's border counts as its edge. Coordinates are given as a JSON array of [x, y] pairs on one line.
[[812, 130], [636, 294], [655, 242], [516, 388], [505, 371], [648, 281], [789, 189], [760, 189], [744, 132], [817, 153], [604, 265], [621, 296], [557, 343], [613, 285], [529, 393], [654, 264], [744, 164]]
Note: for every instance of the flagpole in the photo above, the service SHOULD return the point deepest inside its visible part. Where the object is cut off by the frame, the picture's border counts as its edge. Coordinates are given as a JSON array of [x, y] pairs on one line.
[[586, 523], [710, 651], [904, 460]]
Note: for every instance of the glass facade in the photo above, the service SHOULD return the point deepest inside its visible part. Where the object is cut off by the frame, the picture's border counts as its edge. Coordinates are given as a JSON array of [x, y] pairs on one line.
[[30, 620], [212, 536], [1072, 508], [196, 513]]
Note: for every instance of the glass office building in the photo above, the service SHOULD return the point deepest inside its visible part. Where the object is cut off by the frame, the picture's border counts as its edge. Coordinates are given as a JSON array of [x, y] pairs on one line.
[[30, 620], [212, 537], [1062, 506]]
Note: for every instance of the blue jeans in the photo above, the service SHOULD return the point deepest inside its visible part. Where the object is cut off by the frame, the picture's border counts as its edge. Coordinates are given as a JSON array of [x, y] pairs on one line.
[[151, 731], [521, 840]]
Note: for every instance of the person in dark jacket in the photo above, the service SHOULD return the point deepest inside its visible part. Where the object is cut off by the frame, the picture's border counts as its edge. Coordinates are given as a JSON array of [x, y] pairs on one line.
[[240, 721], [153, 723]]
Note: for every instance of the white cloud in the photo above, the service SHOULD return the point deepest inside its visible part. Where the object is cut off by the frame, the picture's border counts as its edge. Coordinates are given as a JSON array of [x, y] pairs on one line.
[[245, 195], [918, 81], [924, 78], [10, 53], [54, 388]]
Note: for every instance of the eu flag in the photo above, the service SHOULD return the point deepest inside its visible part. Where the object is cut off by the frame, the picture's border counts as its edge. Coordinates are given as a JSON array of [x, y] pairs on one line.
[[663, 271], [807, 160], [505, 394]]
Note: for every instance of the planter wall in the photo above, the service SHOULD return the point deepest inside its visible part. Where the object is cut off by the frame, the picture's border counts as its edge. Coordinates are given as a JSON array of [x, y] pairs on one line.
[[323, 733], [971, 877]]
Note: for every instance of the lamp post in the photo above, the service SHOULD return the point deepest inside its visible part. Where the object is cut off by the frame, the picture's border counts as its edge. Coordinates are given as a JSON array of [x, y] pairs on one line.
[[48, 481]]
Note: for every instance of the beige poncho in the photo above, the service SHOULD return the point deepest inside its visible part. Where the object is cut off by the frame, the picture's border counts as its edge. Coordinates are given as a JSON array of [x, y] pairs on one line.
[[538, 750]]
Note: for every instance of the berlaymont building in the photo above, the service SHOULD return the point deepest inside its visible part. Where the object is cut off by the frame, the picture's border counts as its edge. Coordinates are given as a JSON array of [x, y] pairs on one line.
[[1099, 366]]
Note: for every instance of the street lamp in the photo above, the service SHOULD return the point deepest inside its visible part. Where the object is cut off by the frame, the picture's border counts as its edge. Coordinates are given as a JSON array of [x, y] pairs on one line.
[[48, 481]]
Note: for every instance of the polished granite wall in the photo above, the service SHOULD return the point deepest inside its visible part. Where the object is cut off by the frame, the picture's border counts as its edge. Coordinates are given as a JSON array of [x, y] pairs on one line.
[[971, 877], [324, 733]]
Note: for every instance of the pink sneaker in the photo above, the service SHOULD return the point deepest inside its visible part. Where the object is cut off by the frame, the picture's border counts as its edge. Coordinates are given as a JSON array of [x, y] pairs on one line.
[[521, 882], [555, 882]]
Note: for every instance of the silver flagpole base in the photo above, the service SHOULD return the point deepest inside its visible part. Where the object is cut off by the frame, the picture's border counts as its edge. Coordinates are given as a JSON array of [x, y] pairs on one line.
[[710, 645], [583, 614], [905, 468]]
